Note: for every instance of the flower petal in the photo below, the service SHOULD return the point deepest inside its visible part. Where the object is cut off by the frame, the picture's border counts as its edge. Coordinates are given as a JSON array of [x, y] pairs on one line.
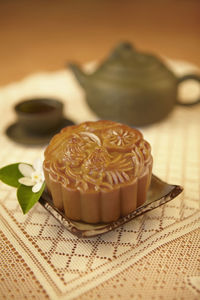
[[38, 164], [26, 181], [36, 176], [26, 170], [37, 187], [42, 176]]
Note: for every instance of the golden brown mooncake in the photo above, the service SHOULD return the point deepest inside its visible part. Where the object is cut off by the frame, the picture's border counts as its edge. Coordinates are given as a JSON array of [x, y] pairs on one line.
[[98, 171]]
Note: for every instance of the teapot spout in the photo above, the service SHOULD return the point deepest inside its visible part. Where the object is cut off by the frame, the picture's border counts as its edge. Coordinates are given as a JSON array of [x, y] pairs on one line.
[[79, 74]]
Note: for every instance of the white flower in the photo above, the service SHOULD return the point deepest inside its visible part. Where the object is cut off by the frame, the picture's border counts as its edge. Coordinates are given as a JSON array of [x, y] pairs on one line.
[[33, 176]]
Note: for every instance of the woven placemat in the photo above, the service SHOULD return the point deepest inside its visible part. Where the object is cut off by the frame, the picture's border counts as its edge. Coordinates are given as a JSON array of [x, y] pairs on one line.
[[40, 258]]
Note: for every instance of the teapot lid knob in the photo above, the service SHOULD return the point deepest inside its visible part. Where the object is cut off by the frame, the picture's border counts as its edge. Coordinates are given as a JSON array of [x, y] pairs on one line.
[[124, 46], [122, 49]]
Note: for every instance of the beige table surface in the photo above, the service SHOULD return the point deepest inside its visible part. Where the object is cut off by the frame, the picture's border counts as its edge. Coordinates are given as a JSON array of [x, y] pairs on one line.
[[155, 256]]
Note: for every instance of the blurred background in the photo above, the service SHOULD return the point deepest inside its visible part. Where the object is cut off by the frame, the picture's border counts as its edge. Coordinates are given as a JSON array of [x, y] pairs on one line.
[[42, 35]]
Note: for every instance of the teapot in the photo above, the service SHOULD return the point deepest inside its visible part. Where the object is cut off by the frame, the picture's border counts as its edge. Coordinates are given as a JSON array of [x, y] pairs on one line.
[[131, 87]]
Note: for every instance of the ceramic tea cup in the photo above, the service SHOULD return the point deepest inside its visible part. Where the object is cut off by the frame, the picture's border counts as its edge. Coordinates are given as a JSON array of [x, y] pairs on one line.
[[39, 115]]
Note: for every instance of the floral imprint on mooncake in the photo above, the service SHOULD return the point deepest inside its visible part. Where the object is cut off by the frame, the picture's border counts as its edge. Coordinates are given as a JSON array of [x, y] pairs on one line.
[[94, 156]]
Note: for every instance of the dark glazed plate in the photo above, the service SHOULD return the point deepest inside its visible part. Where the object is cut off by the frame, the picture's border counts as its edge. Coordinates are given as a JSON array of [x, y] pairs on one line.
[[17, 133], [159, 193]]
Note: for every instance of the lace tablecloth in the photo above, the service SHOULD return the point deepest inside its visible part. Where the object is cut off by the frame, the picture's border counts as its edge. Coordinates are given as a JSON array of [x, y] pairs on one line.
[[154, 256]]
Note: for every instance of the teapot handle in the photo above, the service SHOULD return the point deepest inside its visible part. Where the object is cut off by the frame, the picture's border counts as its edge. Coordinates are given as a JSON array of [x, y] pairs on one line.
[[188, 77]]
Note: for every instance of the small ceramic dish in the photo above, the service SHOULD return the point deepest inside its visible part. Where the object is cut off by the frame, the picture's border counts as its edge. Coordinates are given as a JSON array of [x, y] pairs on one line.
[[17, 134], [159, 193], [38, 120]]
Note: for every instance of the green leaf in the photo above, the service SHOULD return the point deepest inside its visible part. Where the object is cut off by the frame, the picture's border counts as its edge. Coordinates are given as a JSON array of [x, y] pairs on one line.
[[27, 198], [10, 175]]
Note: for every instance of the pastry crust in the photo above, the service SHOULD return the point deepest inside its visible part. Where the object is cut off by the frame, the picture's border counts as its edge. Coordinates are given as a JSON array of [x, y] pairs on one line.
[[98, 171]]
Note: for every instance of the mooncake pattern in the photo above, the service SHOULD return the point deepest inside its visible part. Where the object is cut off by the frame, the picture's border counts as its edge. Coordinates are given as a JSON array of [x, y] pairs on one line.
[[96, 157]]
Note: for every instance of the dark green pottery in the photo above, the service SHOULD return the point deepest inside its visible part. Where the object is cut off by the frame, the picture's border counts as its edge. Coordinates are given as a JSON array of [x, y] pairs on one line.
[[131, 87]]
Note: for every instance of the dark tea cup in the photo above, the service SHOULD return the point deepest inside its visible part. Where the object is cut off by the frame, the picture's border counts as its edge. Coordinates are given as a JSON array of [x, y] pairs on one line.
[[39, 115]]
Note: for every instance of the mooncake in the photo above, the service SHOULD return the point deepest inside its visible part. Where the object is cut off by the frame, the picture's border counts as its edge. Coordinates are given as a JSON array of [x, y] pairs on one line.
[[97, 172]]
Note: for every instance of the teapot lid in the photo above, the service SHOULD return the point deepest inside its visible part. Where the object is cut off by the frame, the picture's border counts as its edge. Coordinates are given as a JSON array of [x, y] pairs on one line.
[[127, 64]]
